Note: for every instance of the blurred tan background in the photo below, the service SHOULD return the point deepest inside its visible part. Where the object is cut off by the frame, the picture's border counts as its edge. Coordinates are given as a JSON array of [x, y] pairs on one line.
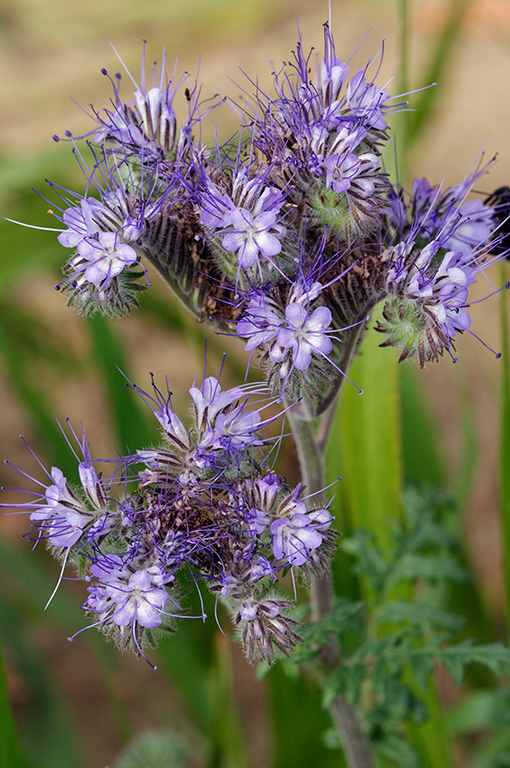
[[51, 54]]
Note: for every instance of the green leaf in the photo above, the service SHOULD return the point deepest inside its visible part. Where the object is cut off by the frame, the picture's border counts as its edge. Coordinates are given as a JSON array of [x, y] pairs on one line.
[[367, 427], [429, 567], [10, 751], [154, 749], [398, 751], [421, 614], [492, 655], [133, 428], [345, 616]]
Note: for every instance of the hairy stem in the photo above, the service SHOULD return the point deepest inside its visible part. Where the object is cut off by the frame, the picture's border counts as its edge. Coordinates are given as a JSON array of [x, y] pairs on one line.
[[311, 460]]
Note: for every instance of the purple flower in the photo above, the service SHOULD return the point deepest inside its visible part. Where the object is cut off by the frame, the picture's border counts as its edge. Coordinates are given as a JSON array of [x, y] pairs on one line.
[[366, 101], [141, 600], [216, 207], [223, 433], [295, 538], [304, 334], [68, 518], [334, 72], [265, 627], [146, 125], [247, 212], [447, 216], [63, 518], [300, 331], [125, 598], [251, 236], [102, 259], [82, 222]]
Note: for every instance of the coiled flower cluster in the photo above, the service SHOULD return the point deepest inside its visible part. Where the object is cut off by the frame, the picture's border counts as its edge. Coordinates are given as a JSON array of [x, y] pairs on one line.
[[287, 235], [201, 508]]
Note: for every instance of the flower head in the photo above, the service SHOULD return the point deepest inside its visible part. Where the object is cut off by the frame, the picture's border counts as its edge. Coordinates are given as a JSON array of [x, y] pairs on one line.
[[441, 238]]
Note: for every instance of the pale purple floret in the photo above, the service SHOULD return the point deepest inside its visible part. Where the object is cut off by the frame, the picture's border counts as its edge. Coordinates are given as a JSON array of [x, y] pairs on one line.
[[366, 101], [172, 425], [210, 400], [104, 258], [138, 599], [475, 227], [295, 538], [261, 568], [222, 425], [223, 421], [109, 567], [341, 170], [260, 322], [147, 123], [224, 428], [216, 207], [257, 521], [300, 331], [63, 517], [304, 334], [334, 73], [267, 488], [81, 222], [248, 218], [237, 428], [252, 236], [442, 286], [460, 225]]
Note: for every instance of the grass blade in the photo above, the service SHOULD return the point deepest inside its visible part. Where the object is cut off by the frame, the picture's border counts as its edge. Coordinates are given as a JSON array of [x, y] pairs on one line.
[[130, 418], [425, 101], [10, 751], [368, 428]]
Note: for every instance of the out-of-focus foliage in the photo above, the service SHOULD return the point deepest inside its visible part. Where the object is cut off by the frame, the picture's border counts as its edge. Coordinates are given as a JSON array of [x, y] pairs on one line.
[[51, 367]]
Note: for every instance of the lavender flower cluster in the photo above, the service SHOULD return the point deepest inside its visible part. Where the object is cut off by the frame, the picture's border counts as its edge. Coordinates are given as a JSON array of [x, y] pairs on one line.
[[198, 509], [287, 235]]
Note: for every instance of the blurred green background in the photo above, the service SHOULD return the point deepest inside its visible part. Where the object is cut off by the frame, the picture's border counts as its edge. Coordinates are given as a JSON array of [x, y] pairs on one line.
[[78, 703]]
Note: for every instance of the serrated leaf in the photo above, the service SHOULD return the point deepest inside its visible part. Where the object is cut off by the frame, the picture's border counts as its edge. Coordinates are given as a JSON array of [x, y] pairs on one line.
[[397, 750], [428, 567], [421, 673], [154, 750], [493, 656], [400, 611], [344, 617], [353, 682]]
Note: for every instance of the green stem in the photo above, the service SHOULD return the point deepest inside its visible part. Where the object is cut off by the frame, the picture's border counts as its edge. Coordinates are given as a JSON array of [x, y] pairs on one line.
[[311, 460], [505, 441]]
